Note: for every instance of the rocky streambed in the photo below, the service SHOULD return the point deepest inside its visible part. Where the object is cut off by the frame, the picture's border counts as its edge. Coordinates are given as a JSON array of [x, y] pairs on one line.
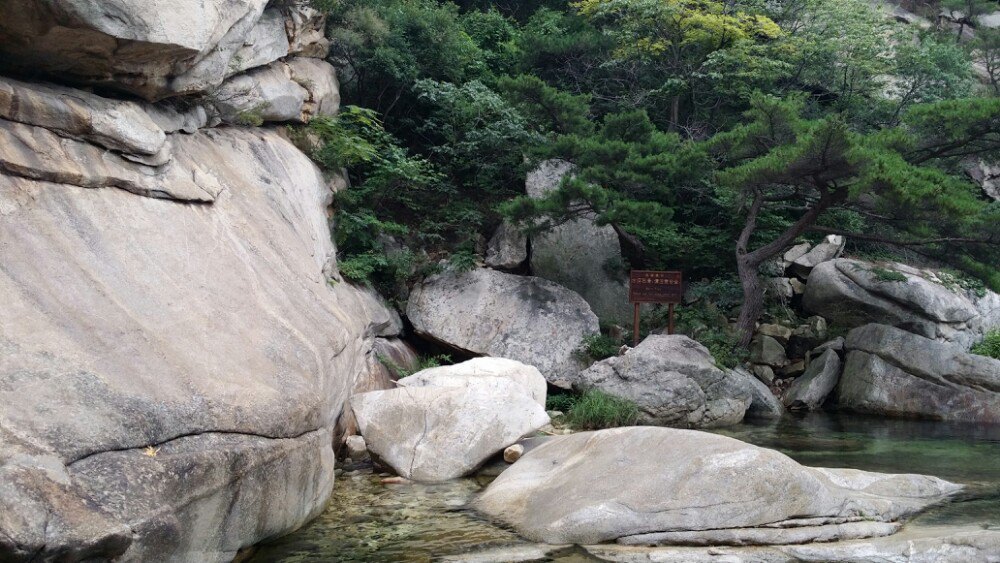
[[371, 521]]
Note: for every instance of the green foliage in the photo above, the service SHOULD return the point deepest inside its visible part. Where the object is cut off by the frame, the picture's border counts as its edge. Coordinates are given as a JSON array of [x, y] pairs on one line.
[[885, 275], [596, 409], [990, 346], [597, 347], [959, 281], [561, 401], [423, 362], [253, 117], [677, 115]]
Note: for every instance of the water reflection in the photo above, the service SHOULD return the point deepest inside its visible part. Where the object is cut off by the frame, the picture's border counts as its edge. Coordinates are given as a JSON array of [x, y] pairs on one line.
[[368, 521]]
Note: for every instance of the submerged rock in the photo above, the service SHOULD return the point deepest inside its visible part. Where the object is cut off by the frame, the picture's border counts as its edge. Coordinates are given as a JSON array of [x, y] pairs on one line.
[[440, 433], [892, 372], [922, 545], [491, 313], [809, 391], [674, 381], [690, 487]]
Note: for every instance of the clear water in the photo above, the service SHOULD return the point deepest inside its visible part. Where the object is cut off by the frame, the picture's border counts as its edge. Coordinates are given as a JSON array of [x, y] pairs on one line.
[[372, 522]]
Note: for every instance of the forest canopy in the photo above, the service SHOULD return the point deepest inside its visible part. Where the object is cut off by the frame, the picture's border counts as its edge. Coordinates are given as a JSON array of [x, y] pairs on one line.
[[710, 134]]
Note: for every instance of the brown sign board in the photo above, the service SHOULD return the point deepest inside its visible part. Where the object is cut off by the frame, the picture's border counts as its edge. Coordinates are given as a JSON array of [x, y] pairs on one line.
[[646, 286]]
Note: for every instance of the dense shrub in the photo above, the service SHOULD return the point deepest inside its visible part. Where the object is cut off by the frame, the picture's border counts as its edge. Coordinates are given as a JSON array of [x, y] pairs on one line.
[[990, 346]]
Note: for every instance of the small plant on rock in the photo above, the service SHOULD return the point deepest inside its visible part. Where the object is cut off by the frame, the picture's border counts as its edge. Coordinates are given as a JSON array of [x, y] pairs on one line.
[[596, 410], [597, 347]]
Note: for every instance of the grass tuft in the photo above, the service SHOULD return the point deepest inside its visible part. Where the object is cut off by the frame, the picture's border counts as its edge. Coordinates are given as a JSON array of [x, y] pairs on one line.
[[595, 410]]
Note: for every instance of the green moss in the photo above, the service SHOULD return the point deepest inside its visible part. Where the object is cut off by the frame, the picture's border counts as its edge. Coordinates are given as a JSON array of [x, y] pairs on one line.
[[596, 410], [885, 275]]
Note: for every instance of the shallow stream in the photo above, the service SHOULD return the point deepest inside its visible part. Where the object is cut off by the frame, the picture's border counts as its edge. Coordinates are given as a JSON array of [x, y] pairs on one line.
[[372, 522]]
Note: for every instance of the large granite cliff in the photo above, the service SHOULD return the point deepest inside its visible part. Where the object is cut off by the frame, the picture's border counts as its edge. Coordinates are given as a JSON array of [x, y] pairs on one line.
[[175, 343]]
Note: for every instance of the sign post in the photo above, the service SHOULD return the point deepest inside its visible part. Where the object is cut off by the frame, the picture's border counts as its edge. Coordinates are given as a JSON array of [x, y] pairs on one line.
[[646, 286]]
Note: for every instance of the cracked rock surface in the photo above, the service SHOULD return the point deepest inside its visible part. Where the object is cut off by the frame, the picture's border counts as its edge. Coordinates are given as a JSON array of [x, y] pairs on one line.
[[650, 486]]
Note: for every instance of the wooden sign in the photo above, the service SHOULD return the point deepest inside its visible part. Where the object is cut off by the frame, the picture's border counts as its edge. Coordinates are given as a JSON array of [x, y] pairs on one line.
[[648, 286]]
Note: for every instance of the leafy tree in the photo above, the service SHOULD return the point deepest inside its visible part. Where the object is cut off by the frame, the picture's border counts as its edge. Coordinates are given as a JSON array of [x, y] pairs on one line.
[[672, 39], [898, 176], [384, 47], [966, 12]]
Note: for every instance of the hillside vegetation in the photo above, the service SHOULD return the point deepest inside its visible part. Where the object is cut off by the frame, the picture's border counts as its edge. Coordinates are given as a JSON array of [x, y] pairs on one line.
[[710, 134]]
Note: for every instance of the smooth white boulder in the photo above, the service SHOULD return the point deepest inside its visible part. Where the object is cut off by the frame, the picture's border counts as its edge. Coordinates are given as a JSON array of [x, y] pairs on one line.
[[662, 485], [439, 433], [472, 371]]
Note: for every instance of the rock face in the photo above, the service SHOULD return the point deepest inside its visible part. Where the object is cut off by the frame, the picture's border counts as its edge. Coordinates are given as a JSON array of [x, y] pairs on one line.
[[436, 433], [579, 254], [150, 48], [167, 304], [985, 174], [491, 313], [477, 369], [674, 381], [892, 372], [569, 490], [853, 293], [811, 390]]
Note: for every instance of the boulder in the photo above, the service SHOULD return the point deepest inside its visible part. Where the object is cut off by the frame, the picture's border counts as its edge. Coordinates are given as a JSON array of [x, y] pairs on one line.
[[305, 28], [186, 363], [295, 90], [491, 313], [763, 403], [150, 48], [674, 381], [809, 391], [356, 447], [768, 351], [796, 252], [569, 490], [438, 433], [508, 248], [831, 248], [777, 332], [764, 373], [892, 372], [837, 345], [601, 279], [476, 369], [853, 293], [807, 336]]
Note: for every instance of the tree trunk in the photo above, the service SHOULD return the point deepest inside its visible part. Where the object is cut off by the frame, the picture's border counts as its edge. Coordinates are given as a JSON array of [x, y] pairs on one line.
[[753, 300]]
